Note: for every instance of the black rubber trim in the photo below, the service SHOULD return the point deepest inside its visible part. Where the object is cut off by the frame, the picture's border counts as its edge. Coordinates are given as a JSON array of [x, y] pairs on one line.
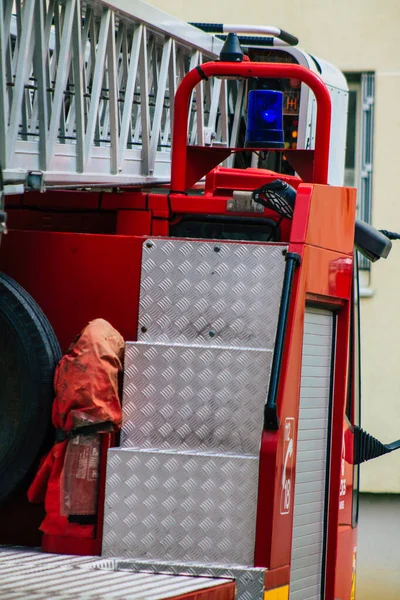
[[29, 352], [202, 74], [249, 40], [83, 519], [288, 38], [86, 431], [209, 27], [271, 419]]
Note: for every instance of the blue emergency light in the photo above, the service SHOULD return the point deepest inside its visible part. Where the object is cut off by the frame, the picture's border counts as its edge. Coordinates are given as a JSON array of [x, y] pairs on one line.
[[265, 119]]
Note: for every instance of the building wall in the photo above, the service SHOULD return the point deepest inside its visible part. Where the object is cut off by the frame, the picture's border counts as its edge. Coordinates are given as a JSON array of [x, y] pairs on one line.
[[356, 36]]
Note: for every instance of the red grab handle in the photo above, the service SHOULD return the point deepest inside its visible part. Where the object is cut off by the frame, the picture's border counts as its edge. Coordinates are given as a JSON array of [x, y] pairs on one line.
[[248, 70]]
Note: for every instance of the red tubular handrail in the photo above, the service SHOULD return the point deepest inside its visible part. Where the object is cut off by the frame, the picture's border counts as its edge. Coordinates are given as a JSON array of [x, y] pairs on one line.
[[249, 70]]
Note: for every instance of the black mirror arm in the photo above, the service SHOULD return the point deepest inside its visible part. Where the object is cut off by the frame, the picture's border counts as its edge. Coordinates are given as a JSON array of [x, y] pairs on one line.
[[367, 447], [391, 235]]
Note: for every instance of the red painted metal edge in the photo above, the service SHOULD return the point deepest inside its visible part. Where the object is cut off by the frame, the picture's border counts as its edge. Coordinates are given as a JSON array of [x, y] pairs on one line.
[[249, 70], [225, 591], [277, 577]]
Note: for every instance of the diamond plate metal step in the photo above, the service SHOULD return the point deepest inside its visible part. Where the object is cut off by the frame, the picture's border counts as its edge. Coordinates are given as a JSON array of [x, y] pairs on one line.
[[249, 581], [210, 293], [184, 485], [38, 576], [181, 506], [201, 398]]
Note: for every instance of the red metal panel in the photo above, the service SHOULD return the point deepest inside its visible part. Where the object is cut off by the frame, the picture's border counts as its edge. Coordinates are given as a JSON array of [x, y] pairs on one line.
[[133, 222], [326, 276], [345, 563], [223, 181], [76, 278], [80, 221], [324, 216]]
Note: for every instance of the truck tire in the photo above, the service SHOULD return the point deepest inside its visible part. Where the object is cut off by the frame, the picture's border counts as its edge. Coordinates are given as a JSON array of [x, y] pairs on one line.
[[29, 353]]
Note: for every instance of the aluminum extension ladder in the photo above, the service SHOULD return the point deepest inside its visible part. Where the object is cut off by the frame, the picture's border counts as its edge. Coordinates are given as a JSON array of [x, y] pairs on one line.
[[86, 91]]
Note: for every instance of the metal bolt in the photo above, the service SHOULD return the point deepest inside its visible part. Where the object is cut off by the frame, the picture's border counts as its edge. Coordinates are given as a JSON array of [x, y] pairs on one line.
[[217, 249], [211, 333], [143, 329], [284, 252], [230, 205], [149, 244], [259, 207]]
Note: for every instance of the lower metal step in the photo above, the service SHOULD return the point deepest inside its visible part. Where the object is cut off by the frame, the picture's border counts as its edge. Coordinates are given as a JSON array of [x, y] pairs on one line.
[[181, 506], [39, 576], [249, 581]]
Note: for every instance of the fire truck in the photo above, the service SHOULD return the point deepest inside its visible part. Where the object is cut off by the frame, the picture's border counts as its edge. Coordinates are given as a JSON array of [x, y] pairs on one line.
[[184, 184]]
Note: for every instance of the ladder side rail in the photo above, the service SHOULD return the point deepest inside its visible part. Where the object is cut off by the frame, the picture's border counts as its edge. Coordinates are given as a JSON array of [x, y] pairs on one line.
[[167, 25]]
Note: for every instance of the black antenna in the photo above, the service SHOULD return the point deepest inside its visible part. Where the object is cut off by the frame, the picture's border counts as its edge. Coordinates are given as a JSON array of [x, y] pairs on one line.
[[231, 50]]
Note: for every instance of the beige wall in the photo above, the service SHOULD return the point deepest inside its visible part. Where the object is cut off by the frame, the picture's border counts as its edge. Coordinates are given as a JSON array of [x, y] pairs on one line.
[[355, 35]]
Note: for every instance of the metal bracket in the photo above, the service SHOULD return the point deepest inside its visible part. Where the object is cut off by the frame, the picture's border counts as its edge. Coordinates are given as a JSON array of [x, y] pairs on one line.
[[35, 181], [209, 136], [243, 202]]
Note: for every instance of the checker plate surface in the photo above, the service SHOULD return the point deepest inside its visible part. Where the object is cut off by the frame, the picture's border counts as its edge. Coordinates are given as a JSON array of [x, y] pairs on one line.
[[33, 575], [210, 293], [180, 506], [249, 581], [207, 399]]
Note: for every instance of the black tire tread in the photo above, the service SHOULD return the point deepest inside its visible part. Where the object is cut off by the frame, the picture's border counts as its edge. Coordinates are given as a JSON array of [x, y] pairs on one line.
[[38, 352]]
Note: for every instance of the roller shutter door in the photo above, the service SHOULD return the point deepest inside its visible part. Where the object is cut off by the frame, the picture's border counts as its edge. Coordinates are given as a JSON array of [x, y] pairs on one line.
[[308, 545]]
